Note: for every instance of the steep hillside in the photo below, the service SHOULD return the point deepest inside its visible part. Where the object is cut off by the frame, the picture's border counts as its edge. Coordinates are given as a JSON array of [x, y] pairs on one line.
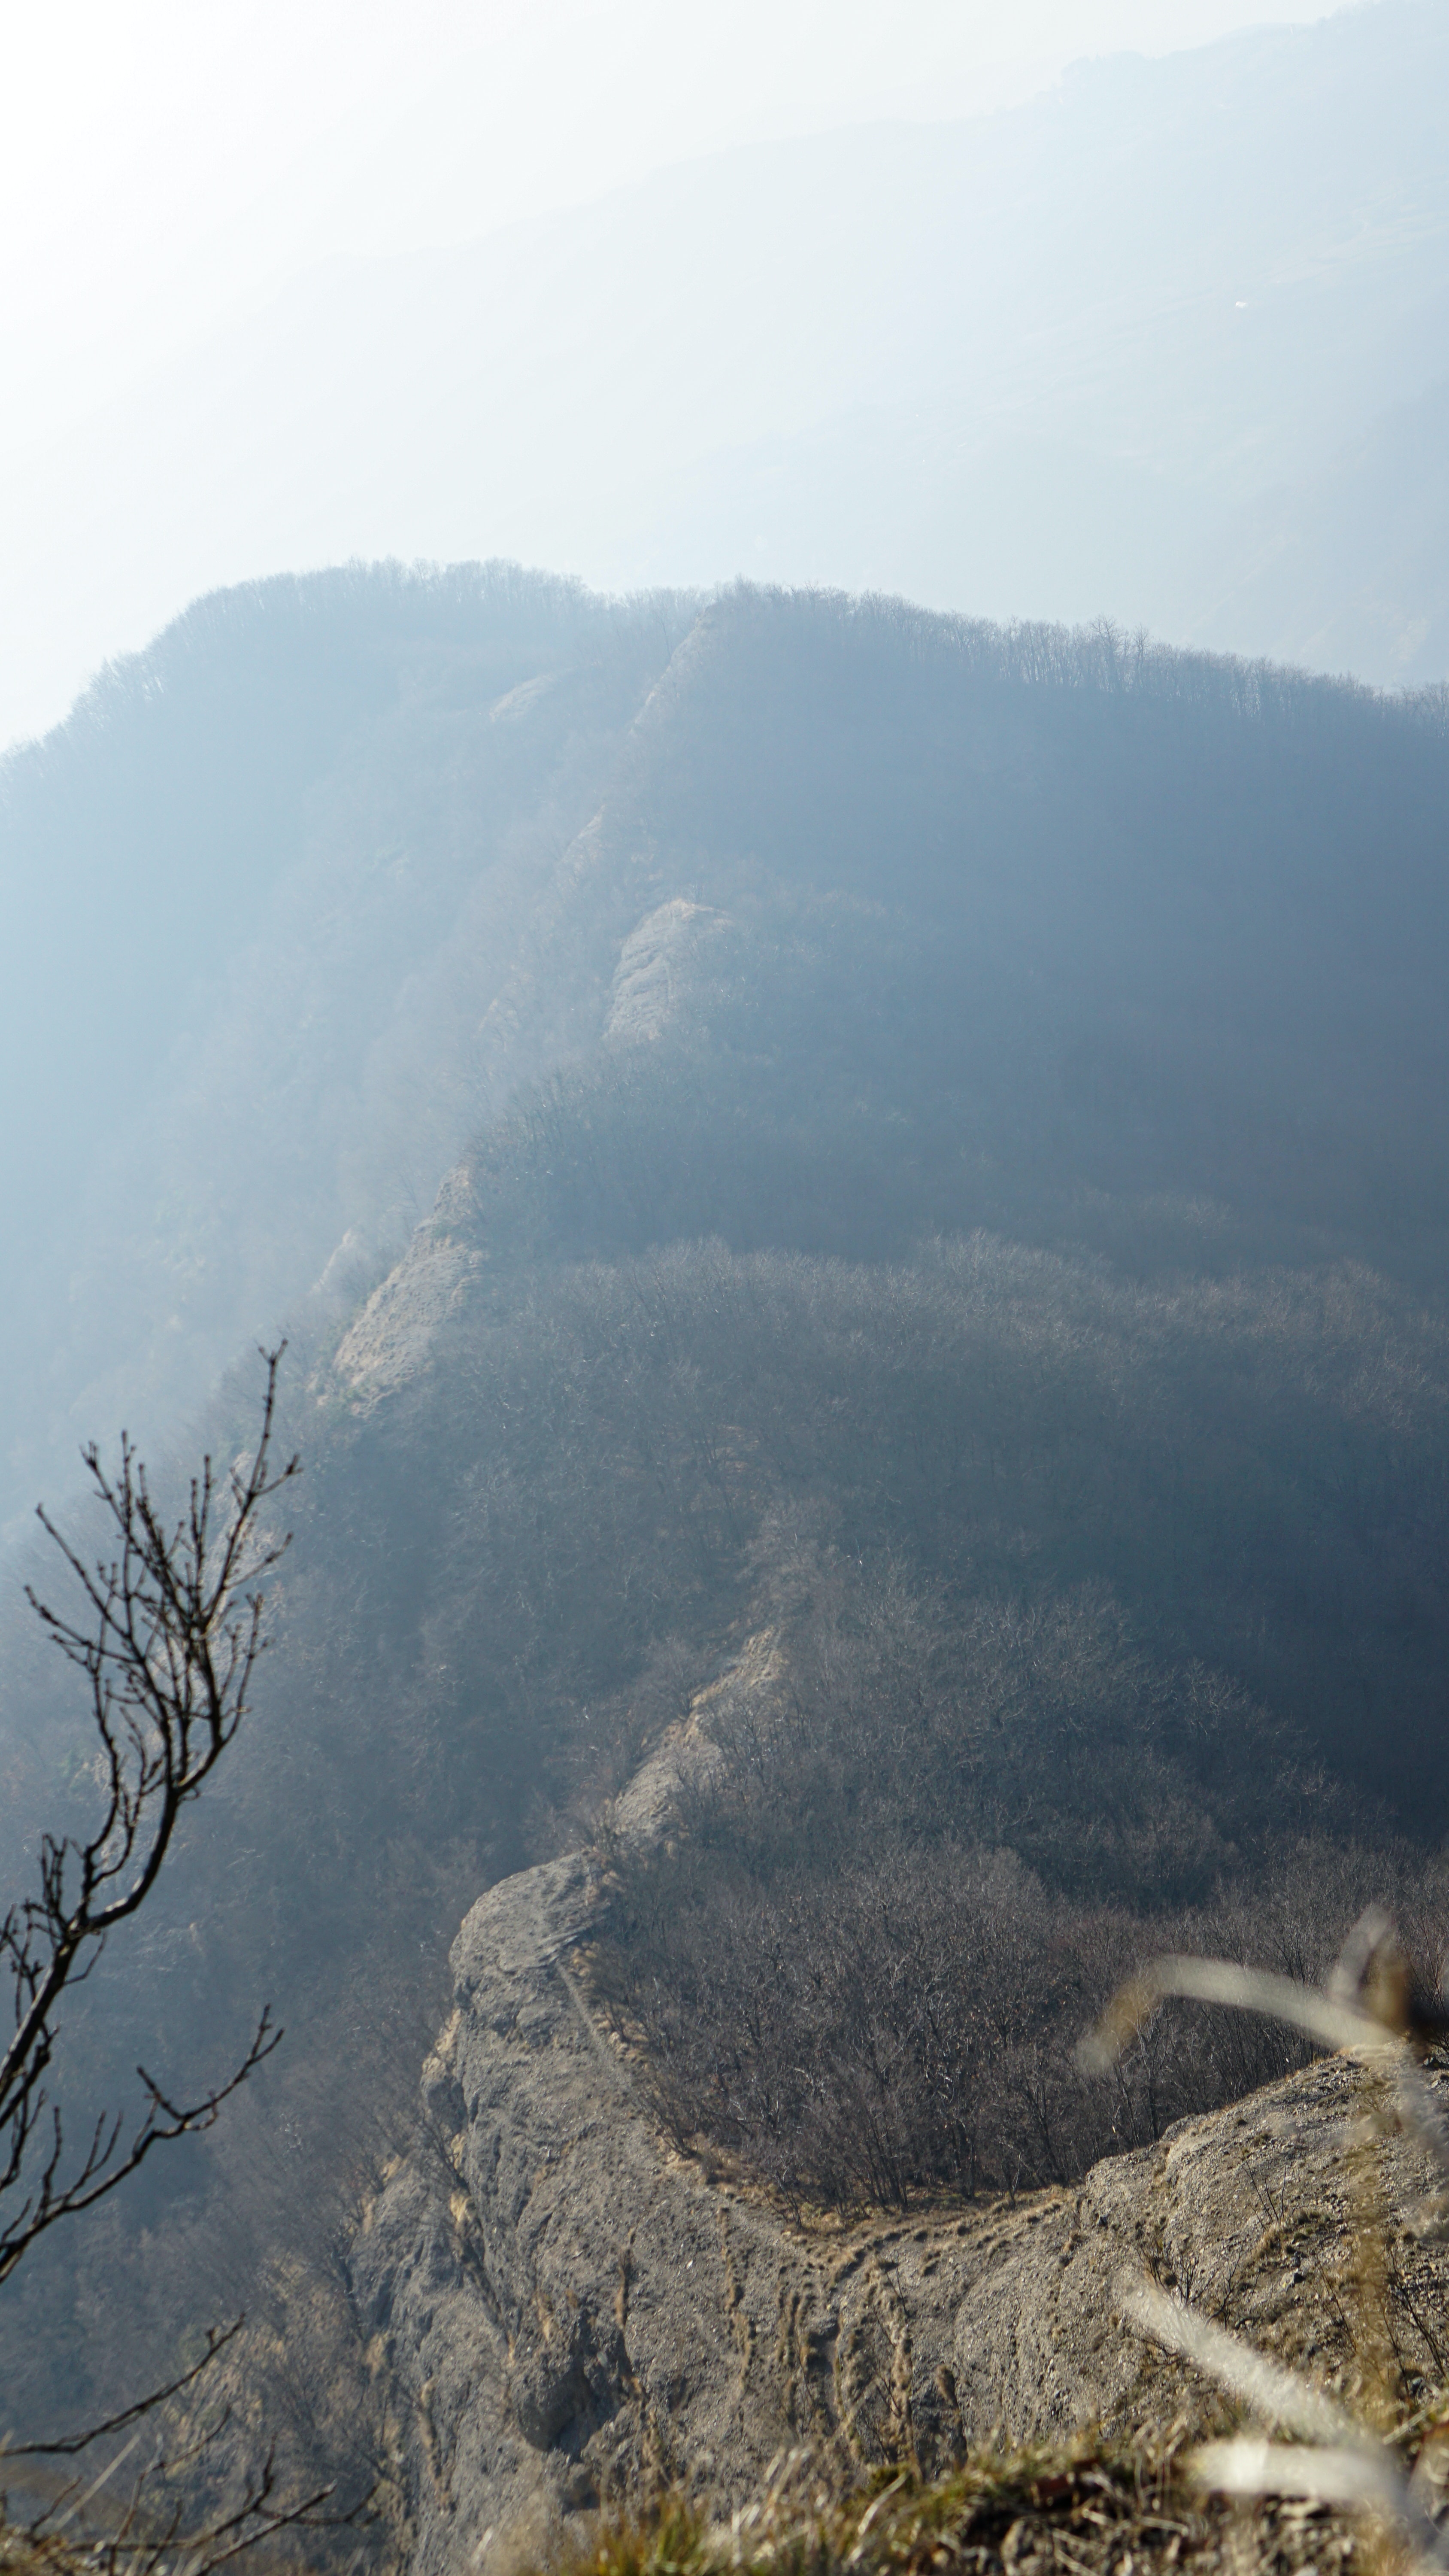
[[960, 1201], [259, 888]]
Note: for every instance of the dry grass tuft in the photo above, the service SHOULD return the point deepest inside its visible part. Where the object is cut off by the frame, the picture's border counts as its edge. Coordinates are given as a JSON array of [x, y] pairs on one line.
[[1083, 2508], [1332, 2457]]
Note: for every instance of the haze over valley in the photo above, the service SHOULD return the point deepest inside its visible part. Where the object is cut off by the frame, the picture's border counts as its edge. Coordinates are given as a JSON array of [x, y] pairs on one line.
[[1163, 343]]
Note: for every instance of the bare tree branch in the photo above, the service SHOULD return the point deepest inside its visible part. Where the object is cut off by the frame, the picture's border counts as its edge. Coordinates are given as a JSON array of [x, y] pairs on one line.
[[168, 1636], [217, 2339]]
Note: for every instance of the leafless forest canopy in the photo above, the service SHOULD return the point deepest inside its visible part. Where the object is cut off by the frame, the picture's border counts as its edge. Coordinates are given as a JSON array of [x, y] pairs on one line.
[[1006, 1267]]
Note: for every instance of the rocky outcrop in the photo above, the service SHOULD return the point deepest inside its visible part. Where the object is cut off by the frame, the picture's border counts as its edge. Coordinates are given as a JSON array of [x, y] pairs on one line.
[[396, 1329], [660, 966], [568, 2310], [658, 963]]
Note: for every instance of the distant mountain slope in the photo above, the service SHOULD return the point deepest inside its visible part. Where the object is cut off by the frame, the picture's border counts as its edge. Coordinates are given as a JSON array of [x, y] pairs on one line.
[[258, 892], [1346, 566], [1034, 365]]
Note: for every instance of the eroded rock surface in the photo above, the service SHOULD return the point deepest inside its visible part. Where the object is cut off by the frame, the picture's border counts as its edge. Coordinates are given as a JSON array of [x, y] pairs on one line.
[[658, 964], [396, 1329], [569, 2311]]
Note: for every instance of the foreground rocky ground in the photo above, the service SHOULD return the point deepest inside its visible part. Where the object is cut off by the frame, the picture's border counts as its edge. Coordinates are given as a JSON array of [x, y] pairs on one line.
[[575, 2317]]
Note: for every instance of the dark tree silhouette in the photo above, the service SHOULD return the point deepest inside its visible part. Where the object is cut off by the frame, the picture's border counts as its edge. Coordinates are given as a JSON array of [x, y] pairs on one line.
[[167, 1635]]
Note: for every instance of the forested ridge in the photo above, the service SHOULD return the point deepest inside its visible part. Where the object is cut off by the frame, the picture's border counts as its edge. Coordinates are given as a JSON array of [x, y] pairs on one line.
[[259, 886], [960, 1197]]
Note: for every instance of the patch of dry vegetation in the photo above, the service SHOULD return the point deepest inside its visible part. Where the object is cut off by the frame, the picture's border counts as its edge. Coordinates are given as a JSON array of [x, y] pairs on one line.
[[1083, 2508]]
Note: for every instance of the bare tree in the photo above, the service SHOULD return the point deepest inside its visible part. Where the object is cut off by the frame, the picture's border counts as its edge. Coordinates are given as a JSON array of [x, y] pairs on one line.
[[167, 1635]]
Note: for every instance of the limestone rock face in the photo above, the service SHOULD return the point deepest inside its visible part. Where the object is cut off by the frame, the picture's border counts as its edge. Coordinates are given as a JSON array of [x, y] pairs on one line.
[[660, 963], [394, 1333], [567, 2310], [657, 963]]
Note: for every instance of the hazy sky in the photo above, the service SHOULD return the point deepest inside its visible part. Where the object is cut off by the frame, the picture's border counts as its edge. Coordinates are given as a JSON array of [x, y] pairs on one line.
[[161, 159], [167, 163]]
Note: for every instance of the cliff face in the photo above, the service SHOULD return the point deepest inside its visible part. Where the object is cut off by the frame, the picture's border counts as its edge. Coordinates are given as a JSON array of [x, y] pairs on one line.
[[565, 2311]]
